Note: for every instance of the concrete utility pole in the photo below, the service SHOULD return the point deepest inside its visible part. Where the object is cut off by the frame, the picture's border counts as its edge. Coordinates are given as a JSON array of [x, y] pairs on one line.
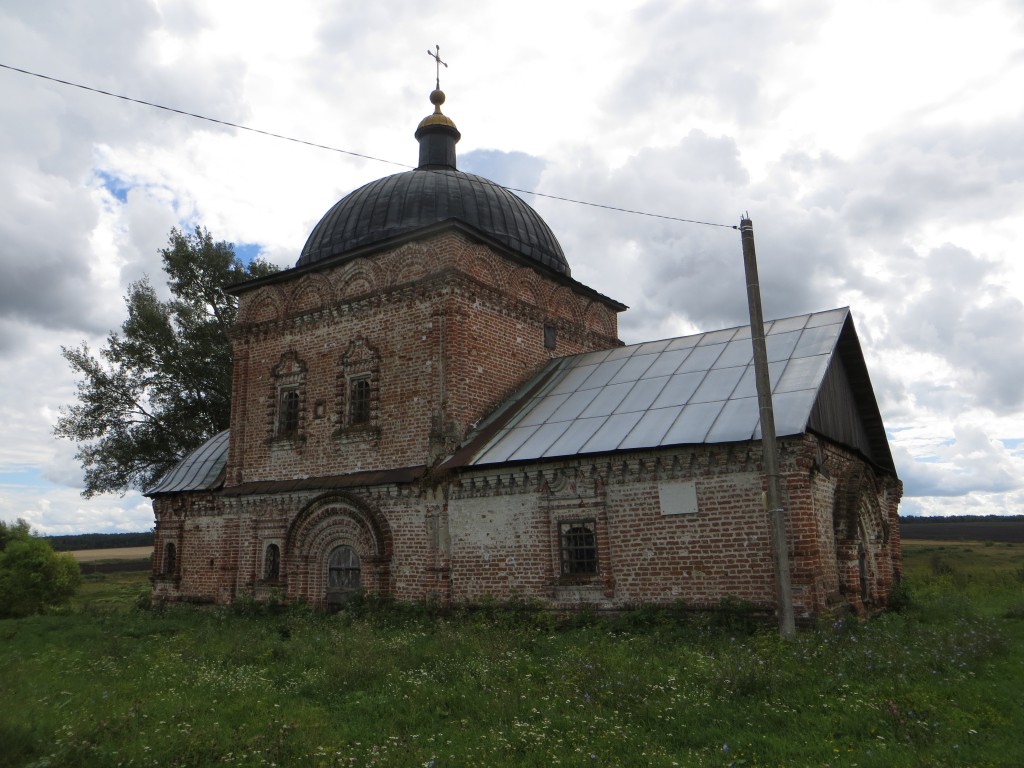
[[784, 590]]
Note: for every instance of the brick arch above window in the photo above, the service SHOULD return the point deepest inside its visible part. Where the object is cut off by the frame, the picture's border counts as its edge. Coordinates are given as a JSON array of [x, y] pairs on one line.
[[265, 304], [600, 319], [358, 278], [312, 292]]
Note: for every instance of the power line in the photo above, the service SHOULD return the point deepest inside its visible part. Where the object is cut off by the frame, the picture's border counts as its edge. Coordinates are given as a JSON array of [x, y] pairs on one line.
[[341, 151], [204, 117]]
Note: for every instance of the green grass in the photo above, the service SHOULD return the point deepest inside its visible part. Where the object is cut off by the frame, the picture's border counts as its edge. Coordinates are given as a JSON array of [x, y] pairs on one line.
[[937, 684], [110, 592]]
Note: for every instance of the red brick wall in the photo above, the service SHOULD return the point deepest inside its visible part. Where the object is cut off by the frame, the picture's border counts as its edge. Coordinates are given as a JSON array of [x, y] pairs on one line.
[[207, 549], [495, 533], [455, 329], [504, 529]]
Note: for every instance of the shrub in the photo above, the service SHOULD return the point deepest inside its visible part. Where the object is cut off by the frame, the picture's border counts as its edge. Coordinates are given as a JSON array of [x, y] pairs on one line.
[[900, 598], [33, 577]]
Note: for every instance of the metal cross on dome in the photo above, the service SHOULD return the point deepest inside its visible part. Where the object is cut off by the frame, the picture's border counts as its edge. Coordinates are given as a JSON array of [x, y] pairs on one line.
[[436, 56]]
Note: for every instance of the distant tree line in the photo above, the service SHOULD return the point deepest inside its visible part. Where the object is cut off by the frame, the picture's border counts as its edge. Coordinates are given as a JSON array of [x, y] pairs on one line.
[[1004, 528], [71, 543], [916, 519]]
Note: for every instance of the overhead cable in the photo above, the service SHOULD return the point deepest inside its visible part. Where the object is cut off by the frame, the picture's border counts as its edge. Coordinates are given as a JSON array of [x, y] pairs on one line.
[[361, 155]]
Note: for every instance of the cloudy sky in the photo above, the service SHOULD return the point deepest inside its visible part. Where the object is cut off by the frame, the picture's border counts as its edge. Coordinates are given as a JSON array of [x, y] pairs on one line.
[[878, 146]]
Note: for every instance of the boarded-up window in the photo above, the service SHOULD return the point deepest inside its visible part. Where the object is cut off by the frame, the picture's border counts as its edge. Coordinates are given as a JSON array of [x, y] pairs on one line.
[[550, 336]]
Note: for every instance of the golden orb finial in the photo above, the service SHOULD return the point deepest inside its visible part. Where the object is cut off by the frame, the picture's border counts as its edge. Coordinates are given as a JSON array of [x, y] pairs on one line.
[[437, 99]]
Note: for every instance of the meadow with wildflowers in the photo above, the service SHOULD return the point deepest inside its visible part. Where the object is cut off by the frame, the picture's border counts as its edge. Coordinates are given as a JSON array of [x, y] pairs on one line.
[[935, 684]]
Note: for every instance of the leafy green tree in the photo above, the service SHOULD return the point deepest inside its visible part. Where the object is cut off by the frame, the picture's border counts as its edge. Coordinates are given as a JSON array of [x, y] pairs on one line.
[[162, 385], [32, 576]]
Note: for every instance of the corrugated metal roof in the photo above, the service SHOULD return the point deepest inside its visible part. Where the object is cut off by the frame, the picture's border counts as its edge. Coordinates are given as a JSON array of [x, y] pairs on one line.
[[689, 390], [201, 470]]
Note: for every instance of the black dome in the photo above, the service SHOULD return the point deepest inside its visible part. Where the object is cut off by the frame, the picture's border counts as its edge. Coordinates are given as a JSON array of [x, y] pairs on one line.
[[434, 193], [406, 202]]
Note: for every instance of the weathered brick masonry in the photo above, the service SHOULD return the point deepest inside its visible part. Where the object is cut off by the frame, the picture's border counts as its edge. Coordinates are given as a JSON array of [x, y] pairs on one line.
[[445, 328], [495, 534]]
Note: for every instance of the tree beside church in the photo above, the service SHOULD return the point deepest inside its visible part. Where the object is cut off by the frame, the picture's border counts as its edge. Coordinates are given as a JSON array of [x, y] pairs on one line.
[[162, 385]]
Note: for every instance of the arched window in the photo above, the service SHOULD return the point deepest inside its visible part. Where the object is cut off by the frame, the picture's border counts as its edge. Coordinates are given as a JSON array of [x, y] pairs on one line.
[[272, 563], [170, 558]]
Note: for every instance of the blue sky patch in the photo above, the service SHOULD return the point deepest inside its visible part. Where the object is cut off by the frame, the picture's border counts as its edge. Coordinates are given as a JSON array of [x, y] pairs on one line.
[[247, 251], [29, 477], [116, 186]]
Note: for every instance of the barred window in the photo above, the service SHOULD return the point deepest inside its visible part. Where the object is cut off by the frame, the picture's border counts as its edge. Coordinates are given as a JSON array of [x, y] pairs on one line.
[[359, 401], [359, 392], [578, 542], [288, 412]]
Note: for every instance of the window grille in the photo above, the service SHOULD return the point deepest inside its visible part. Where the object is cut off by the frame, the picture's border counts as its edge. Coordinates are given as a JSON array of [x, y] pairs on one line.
[[288, 413], [578, 540], [359, 401]]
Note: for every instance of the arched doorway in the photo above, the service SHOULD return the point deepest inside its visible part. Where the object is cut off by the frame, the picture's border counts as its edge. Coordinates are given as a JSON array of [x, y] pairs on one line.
[[343, 576], [337, 546], [861, 541]]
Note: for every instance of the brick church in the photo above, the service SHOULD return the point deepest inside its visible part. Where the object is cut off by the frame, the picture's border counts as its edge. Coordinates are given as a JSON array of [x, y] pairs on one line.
[[429, 407]]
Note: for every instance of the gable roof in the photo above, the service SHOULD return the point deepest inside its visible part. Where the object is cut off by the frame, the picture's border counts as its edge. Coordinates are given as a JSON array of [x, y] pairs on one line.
[[691, 390], [684, 391]]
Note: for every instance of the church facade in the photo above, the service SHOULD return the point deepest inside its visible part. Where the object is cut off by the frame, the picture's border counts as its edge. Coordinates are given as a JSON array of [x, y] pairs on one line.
[[429, 407]]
